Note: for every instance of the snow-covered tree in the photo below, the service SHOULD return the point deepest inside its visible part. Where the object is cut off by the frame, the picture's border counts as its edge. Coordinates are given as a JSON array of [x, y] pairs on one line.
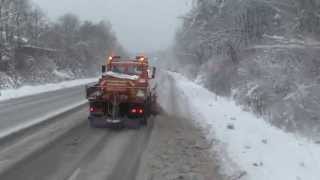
[[32, 47], [262, 52]]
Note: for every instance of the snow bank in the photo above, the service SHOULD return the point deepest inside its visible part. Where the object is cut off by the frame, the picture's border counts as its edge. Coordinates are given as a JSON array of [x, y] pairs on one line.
[[259, 150], [31, 90], [62, 74]]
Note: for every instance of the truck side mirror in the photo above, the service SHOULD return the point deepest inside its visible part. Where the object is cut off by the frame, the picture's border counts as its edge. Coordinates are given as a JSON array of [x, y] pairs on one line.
[[154, 70], [103, 69]]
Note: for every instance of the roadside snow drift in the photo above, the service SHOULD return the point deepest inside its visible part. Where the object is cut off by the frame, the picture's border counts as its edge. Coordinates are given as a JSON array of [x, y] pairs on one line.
[[248, 147], [32, 90]]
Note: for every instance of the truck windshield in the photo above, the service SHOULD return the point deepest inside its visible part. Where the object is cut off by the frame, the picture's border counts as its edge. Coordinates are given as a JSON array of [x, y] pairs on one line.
[[135, 70], [119, 69], [130, 70]]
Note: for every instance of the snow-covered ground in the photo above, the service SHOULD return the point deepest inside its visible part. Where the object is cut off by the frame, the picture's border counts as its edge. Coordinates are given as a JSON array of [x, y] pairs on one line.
[[32, 90], [247, 147]]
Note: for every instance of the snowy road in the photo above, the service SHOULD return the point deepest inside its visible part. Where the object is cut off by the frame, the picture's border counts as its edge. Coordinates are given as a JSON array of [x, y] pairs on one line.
[[84, 153], [23, 110], [74, 150], [66, 148], [197, 136]]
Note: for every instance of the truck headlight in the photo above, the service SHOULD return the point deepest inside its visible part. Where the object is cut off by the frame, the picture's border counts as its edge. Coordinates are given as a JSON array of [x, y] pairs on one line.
[[141, 94]]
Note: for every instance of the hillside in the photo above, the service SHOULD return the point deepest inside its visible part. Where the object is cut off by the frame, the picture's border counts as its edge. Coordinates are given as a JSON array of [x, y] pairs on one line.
[[36, 50], [263, 53]]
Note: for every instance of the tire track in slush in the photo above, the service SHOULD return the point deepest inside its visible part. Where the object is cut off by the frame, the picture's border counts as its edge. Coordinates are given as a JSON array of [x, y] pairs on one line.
[[128, 165], [60, 158], [119, 159], [86, 153]]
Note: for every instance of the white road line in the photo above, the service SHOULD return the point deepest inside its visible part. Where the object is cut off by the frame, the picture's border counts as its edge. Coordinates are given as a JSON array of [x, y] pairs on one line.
[[39, 120], [75, 174], [25, 91]]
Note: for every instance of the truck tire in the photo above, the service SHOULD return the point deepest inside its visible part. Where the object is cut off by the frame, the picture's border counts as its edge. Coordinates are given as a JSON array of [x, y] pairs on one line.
[[92, 125], [144, 121]]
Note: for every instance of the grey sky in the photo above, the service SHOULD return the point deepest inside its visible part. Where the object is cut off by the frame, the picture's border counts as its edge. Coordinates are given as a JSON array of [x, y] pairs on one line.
[[140, 25]]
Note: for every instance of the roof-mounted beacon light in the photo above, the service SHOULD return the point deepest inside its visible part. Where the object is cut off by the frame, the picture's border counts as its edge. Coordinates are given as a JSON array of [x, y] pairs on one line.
[[111, 58], [141, 59]]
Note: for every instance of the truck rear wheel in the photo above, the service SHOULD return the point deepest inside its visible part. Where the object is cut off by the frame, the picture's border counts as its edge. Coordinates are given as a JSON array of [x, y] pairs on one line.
[[93, 125], [144, 121]]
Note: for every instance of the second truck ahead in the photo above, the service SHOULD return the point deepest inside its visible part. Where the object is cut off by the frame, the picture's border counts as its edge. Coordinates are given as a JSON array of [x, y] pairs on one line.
[[125, 94]]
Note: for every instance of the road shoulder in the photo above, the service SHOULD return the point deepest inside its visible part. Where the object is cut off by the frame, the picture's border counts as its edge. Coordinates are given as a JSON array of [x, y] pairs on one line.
[[177, 150]]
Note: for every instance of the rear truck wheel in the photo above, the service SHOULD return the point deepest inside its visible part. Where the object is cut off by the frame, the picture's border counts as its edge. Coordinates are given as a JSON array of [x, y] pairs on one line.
[[146, 115], [96, 123], [154, 108], [144, 121], [92, 124]]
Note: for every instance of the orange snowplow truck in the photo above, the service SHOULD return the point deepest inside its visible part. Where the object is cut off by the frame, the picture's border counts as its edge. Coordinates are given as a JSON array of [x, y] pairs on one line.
[[125, 95]]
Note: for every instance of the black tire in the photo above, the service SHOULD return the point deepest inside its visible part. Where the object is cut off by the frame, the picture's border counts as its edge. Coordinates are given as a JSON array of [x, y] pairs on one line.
[[146, 116], [144, 121], [92, 125]]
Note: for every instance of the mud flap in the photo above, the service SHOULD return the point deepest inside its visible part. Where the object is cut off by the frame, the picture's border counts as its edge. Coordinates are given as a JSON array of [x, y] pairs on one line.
[[102, 122]]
